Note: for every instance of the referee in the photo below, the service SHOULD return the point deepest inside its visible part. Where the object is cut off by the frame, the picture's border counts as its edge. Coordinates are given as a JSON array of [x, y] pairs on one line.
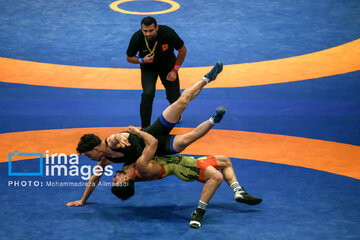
[[155, 45]]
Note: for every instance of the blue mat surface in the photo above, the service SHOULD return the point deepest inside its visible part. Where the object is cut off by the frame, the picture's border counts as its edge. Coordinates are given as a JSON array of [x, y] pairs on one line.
[[89, 33], [326, 108]]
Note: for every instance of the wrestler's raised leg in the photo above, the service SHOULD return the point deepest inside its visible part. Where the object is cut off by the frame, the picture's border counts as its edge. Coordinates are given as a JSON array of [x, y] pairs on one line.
[[173, 112], [182, 141]]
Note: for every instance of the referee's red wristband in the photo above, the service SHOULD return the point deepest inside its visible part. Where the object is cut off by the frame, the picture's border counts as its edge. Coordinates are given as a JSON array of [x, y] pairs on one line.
[[176, 68]]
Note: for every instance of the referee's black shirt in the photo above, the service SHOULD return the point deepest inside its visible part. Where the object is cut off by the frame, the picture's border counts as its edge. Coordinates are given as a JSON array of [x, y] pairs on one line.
[[167, 40]]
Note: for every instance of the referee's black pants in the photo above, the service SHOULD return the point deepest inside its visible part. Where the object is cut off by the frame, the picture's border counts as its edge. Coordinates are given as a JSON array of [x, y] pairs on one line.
[[149, 77]]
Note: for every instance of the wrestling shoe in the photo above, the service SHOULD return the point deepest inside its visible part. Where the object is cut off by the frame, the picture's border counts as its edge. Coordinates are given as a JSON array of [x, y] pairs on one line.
[[219, 114], [196, 218], [211, 76], [242, 196]]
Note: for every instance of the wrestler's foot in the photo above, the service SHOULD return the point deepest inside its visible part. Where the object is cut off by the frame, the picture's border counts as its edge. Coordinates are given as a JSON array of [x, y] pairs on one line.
[[211, 76], [242, 196], [196, 218], [219, 114]]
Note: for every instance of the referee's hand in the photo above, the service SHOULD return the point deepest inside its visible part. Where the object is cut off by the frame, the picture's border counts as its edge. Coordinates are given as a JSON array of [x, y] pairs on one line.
[[171, 76], [149, 58]]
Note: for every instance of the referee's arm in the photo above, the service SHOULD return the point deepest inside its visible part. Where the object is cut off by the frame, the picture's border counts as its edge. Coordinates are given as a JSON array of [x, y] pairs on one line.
[[132, 59], [135, 59], [181, 55]]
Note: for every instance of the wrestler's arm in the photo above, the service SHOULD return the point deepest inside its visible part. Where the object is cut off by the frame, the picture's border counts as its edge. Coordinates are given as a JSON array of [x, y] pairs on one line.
[[118, 140], [146, 168], [90, 187]]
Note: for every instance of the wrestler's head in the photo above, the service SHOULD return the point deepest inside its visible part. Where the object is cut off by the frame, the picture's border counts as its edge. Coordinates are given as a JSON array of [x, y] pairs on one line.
[[123, 186], [149, 28], [90, 145]]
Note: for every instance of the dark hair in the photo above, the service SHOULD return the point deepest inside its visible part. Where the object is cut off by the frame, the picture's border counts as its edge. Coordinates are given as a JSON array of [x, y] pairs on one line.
[[147, 21], [124, 190], [87, 143]]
